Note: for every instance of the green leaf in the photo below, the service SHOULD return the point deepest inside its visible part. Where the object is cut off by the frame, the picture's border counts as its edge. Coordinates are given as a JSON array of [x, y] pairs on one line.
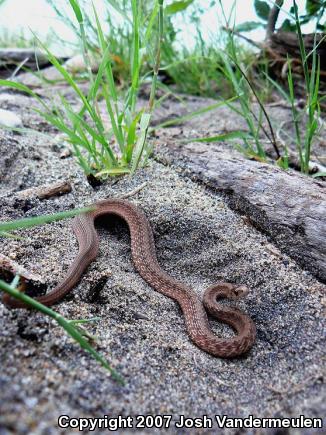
[[177, 7], [131, 138], [39, 220], [141, 142], [313, 6], [63, 322], [150, 24], [262, 9], [74, 4], [283, 162], [237, 134], [288, 26], [185, 118], [135, 57], [248, 26], [113, 171]]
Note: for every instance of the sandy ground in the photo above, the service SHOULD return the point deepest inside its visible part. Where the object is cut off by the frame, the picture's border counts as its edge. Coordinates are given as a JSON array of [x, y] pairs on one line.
[[199, 241]]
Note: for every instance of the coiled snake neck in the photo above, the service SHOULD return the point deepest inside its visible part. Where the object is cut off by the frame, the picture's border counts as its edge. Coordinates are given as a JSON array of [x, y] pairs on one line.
[[145, 261]]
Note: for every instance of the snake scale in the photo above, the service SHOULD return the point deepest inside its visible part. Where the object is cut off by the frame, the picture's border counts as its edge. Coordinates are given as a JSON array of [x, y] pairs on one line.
[[145, 261]]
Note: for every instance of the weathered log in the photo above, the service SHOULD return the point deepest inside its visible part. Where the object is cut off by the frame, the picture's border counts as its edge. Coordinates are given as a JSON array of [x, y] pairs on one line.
[[11, 267], [282, 44], [287, 206], [46, 191]]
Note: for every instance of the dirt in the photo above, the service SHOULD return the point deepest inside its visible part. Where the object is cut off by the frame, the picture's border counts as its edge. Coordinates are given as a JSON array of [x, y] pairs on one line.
[[199, 240]]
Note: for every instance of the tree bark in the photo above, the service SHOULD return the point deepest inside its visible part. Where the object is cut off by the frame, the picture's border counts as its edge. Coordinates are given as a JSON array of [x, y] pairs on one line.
[[46, 191], [287, 206]]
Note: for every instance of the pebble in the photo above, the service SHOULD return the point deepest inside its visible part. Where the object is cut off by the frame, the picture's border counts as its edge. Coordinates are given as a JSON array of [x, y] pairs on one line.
[[10, 119], [76, 64]]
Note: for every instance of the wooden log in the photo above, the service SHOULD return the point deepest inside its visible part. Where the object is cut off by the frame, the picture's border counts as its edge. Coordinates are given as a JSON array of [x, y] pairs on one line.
[[11, 267], [287, 206], [28, 280], [46, 191]]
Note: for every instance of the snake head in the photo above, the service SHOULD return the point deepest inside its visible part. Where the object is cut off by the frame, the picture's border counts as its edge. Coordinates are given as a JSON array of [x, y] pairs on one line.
[[238, 291]]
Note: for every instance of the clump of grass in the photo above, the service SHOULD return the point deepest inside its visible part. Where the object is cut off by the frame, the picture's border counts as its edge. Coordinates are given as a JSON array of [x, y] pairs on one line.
[[244, 88], [119, 37], [230, 65], [71, 327], [17, 39], [304, 142], [197, 70], [119, 148]]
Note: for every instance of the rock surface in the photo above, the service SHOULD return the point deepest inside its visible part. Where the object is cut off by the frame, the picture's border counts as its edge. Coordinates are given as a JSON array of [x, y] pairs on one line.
[[199, 240], [32, 57], [10, 119]]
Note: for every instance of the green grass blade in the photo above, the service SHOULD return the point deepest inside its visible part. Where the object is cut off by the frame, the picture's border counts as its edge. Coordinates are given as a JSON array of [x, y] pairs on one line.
[[77, 11], [66, 325], [105, 54], [185, 118], [115, 4], [151, 22], [40, 220], [238, 134], [135, 61], [139, 148], [22, 88]]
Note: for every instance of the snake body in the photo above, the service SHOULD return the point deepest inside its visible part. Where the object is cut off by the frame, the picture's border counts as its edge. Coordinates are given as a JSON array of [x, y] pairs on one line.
[[145, 261]]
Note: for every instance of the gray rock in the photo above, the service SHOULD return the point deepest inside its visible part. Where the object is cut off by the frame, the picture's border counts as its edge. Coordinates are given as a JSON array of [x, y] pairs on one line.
[[76, 64], [15, 56], [37, 80], [10, 119]]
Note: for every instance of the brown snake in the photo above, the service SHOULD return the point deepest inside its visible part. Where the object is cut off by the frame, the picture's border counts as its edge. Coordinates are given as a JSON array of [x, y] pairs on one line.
[[145, 261]]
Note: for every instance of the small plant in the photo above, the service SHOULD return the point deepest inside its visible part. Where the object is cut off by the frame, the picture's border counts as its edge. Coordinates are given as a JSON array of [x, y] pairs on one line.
[[226, 66], [244, 89], [72, 327], [119, 146], [312, 82], [195, 70], [229, 65], [17, 39], [310, 64]]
